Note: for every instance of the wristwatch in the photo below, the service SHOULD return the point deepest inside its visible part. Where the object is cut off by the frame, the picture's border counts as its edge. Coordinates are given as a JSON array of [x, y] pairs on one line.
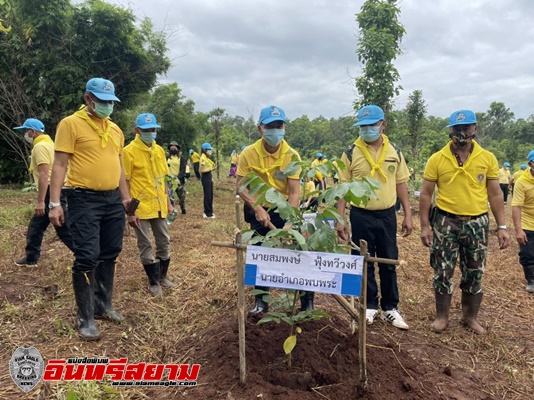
[[502, 227], [52, 205]]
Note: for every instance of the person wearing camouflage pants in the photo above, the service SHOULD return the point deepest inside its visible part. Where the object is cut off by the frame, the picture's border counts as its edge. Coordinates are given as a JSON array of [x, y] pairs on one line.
[[467, 178]]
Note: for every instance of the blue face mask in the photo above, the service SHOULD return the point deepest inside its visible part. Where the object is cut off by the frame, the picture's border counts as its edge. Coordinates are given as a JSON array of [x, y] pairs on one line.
[[274, 136], [148, 137], [370, 133], [102, 110]]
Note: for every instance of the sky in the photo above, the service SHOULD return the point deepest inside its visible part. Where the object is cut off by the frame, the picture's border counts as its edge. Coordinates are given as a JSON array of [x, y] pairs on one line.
[[301, 54]]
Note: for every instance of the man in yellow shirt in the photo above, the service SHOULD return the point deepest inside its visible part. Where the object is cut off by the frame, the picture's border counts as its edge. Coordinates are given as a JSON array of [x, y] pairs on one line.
[[177, 168], [207, 165], [308, 201], [466, 176], [233, 164], [195, 159], [268, 158], [372, 155], [523, 217], [42, 157], [145, 169], [505, 179], [90, 145], [318, 179], [517, 175]]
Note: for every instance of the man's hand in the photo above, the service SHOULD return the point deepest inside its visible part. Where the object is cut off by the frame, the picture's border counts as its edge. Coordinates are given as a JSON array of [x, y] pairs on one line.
[[521, 237], [407, 226], [133, 221], [126, 202], [56, 216], [40, 208], [262, 216], [504, 238], [426, 236], [342, 232]]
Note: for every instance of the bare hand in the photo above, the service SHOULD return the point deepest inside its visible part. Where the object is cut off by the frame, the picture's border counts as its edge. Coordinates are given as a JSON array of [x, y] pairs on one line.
[[133, 221], [521, 237], [342, 232], [40, 208], [126, 202], [504, 238], [407, 226], [426, 236], [262, 216], [56, 216]]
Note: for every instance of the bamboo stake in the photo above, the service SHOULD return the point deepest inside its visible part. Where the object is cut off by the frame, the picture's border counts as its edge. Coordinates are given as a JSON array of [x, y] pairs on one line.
[[346, 305], [352, 321], [363, 321], [240, 294]]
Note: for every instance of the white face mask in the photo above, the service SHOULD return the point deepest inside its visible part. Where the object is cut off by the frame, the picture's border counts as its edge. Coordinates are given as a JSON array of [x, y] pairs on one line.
[[208, 152], [27, 137]]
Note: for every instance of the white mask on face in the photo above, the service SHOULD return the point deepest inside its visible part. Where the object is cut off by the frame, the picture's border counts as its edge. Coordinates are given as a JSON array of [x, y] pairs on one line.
[[209, 152], [27, 137]]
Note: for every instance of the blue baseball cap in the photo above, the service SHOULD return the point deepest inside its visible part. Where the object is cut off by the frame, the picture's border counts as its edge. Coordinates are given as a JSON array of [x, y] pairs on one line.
[[270, 114], [318, 155], [190, 151], [531, 156], [369, 115], [206, 146], [506, 164], [243, 148], [462, 117], [523, 166], [31, 123], [102, 89], [146, 121]]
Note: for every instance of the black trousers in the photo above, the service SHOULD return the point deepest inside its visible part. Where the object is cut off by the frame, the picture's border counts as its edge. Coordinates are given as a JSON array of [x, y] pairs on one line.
[[207, 185], [37, 228], [379, 230], [96, 223], [504, 188], [196, 168]]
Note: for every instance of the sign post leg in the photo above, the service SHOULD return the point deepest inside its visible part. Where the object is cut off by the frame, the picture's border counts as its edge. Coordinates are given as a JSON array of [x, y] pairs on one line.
[[363, 321], [240, 295]]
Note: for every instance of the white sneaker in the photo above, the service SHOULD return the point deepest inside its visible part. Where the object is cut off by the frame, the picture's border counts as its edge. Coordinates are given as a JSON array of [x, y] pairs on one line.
[[205, 216], [395, 319], [370, 315]]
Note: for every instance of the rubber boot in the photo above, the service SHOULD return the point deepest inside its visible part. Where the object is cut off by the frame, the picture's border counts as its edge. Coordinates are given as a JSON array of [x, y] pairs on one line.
[[529, 276], [152, 271], [443, 308], [163, 268], [260, 306], [306, 301], [470, 307], [104, 274], [83, 285]]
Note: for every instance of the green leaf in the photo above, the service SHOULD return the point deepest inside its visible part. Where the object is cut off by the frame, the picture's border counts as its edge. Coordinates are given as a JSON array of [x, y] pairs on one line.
[[288, 320], [299, 329], [264, 320], [290, 343], [255, 292]]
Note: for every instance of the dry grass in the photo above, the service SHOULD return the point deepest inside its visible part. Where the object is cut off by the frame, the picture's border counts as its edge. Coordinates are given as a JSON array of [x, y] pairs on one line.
[[168, 329]]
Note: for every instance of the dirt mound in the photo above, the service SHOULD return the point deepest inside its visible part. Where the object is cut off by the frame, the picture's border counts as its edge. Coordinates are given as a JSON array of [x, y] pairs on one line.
[[324, 365]]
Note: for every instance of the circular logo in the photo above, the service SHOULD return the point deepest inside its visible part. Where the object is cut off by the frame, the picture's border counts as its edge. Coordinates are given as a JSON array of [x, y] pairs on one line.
[[480, 178], [391, 169]]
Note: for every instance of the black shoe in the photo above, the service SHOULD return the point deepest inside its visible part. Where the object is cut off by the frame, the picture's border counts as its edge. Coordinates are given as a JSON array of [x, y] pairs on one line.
[[153, 273], [163, 268], [260, 306], [24, 262], [183, 212], [306, 301]]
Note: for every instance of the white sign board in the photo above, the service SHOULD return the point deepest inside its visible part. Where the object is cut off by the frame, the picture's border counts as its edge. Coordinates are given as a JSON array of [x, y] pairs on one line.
[[304, 270]]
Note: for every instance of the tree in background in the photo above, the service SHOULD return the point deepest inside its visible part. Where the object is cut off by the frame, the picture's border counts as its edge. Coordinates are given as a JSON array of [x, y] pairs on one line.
[[379, 44], [216, 118], [415, 115], [54, 47]]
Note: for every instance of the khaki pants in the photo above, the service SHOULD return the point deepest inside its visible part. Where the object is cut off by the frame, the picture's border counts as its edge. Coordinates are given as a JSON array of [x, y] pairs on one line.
[[162, 238]]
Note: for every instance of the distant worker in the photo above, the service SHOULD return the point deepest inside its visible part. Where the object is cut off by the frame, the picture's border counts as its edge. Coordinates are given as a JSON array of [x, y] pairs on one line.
[[207, 165], [42, 158], [233, 164], [505, 179], [518, 174], [195, 159], [177, 169]]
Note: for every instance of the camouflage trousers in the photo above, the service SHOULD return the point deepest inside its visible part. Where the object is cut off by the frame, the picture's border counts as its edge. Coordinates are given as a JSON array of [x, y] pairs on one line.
[[467, 240]]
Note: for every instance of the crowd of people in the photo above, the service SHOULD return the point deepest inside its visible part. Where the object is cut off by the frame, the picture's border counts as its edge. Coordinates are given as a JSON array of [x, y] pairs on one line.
[[90, 184]]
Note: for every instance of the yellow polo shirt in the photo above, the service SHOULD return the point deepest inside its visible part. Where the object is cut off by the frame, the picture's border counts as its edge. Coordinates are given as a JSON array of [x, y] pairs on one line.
[[518, 174], [504, 176], [174, 165], [306, 189], [524, 198], [318, 175], [462, 190], [42, 153], [394, 167], [91, 166], [207, 163], [233, 158], [195, 157], [249, 161], [145, 169]]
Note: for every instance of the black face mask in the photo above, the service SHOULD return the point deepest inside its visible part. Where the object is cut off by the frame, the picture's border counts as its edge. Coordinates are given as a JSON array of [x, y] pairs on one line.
[[174, 152]]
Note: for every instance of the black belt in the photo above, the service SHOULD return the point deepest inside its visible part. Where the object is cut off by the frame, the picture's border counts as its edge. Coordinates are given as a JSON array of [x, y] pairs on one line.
[[90, 191], [460, 217]]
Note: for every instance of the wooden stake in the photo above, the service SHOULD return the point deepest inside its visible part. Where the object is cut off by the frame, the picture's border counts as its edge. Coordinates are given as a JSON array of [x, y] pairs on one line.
[[240, 294], [363, 321]]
